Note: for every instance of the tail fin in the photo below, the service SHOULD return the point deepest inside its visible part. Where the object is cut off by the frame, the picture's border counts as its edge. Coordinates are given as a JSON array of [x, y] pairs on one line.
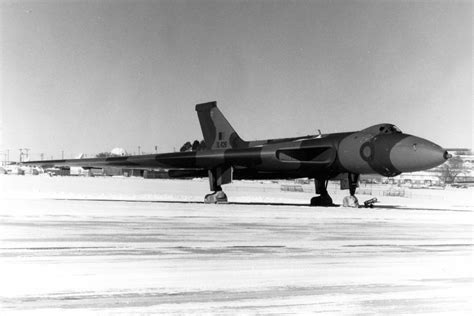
[[218, 133]]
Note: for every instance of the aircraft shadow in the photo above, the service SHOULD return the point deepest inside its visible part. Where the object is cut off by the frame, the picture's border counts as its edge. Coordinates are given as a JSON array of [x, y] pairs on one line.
[[404, 208], [375, 208], [188, 202]]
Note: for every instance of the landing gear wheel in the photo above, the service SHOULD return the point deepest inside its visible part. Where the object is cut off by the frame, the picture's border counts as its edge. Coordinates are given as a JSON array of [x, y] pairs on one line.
[[350, 201], [215, 198], [322, 200]]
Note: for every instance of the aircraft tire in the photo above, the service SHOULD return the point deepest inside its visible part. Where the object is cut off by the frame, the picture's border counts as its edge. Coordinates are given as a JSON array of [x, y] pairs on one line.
[[350, 201], [322, 200], [215, 198]]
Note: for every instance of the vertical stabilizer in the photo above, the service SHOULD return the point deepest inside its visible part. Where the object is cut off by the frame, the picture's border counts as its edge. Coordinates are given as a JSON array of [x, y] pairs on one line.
[[217, 132]]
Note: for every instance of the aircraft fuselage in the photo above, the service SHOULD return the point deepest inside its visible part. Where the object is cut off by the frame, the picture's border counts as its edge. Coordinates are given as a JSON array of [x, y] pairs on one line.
[[380, 149]]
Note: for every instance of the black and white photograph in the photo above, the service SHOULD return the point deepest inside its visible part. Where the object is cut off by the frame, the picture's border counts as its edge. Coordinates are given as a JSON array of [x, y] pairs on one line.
[[236, 157]]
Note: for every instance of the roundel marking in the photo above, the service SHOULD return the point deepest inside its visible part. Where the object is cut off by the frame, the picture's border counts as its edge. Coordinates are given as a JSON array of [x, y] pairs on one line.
[[367, 151]]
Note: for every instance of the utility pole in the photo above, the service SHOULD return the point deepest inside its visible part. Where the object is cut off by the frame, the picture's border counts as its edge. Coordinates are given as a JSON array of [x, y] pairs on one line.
[[42, 156], [156, 149], [27, 156], [21, 153], [139, 150]]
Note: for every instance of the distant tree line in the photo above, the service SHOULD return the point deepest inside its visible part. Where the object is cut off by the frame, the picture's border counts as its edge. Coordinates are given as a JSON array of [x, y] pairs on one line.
[[188, 146], [452, 169], [104, 154]]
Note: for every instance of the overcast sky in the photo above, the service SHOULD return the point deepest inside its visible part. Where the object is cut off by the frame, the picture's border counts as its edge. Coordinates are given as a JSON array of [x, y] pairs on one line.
[[88, 76]]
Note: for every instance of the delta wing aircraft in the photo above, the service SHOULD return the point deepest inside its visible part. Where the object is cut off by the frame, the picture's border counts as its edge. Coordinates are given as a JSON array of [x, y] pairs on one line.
[[380, 149]]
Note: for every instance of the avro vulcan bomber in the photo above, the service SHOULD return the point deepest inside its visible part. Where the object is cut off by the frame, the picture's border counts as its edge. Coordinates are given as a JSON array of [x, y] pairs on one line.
[[380, 149]]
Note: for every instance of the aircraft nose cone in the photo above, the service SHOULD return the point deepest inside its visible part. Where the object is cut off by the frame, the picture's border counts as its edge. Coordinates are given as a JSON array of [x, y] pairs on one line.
[[415, 154]]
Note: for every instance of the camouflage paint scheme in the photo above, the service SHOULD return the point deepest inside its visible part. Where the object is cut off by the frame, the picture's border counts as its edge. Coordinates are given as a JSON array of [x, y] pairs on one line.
[[380, 149]]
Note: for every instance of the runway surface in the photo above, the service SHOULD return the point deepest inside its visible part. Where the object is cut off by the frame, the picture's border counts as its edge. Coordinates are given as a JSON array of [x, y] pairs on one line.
[[85, 256]]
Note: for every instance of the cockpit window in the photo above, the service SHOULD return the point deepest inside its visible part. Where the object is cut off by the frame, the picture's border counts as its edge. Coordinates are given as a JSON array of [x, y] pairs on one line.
[[395, 129], [389, 129], [383, 129]]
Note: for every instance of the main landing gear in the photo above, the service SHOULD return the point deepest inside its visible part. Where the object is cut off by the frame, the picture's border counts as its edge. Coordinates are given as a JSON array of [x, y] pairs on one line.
[[321, 188], [351, 201], [216, 197], [218, 177]]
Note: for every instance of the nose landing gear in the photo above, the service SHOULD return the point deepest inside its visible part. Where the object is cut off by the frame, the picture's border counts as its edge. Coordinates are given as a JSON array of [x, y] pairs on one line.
[[325, 200], [352, 201]]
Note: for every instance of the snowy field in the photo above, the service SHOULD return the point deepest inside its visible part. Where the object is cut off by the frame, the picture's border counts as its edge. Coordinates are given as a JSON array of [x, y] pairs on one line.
[[120, 246]]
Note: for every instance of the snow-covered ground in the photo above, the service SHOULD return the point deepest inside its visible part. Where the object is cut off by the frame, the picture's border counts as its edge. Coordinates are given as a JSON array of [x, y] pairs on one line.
[[120, 246]]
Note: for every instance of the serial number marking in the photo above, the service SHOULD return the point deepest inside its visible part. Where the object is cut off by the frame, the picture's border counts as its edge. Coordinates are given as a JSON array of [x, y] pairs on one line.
[[221, 144]]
